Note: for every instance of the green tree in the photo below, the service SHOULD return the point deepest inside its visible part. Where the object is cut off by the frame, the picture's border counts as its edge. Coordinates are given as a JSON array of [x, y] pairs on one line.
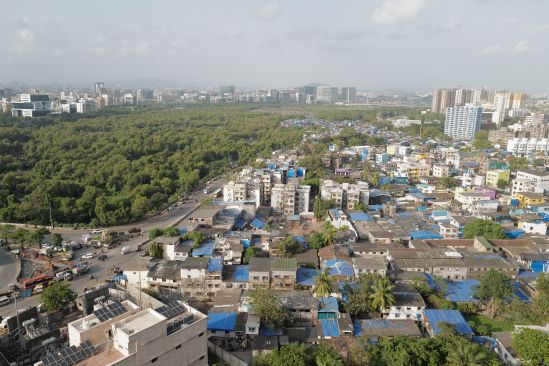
[[157, 251], [327, 356], [488, 229], [447, 182], [206, 200], [329, 234], [516, 163], [171, 231], [250, 252], [358, 298], [374, 179], [359, 206], [382, 296], [532, 346], [466, 354], [323, 284], [290, 247], [318, 211], [196, 236], [154, 233], [56, 296], [56, 240], [316, 241], [293, 354], [540, 303], [268, 307], [494, 287], [502, 183]]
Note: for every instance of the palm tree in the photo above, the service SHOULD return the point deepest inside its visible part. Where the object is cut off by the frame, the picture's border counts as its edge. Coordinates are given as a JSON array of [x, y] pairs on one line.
[[382, 295], [329, 234], [323, 284], [374, 179], [467, 354]]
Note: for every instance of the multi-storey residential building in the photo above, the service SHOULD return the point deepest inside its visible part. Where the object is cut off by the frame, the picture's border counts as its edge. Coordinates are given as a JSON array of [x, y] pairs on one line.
[[496, 175], [283, 273], [31, 105], [290, 198], [193, 277], [348, 94], [345, 195], [441, 170], [259, 272], [126, 336], [326, 94], [527, 146], [442, 99], [530, 181], [462, 122], [526, 199]]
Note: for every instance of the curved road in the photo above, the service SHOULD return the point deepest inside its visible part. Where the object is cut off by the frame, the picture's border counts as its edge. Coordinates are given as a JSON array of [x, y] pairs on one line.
[[9, 269], [101, 269]]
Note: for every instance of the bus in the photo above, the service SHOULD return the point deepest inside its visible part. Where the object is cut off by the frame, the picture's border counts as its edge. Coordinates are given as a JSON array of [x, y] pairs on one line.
[[29, 283], [216, 193]]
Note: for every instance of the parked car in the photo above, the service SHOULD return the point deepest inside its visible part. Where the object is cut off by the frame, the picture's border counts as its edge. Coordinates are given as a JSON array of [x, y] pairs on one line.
[[4, 300], [87, 256], [16, 251], [101, 257]]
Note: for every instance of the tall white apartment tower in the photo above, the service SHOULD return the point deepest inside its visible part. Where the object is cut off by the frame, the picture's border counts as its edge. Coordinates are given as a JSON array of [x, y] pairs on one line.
[[462, 122]]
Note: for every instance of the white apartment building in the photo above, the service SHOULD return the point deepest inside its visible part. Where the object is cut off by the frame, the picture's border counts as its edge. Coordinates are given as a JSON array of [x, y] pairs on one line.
[[527, 146], [408, 305], [123, 335], [463, 121], [326, 94], [467, 199], [530, 181], [31, 105], [345, 195], [290, 199], [441, 171]]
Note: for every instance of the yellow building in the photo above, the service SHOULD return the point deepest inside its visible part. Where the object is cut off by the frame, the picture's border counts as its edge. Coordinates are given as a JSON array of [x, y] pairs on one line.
[[529, 198], [495, 175]]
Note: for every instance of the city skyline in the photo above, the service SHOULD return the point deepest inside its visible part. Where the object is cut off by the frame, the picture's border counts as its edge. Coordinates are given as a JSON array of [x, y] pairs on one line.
[[385, 44]]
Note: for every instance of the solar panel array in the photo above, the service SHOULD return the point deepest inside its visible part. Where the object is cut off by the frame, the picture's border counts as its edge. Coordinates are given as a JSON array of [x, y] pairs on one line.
[[110, 311], [171, 309], [70, 355]]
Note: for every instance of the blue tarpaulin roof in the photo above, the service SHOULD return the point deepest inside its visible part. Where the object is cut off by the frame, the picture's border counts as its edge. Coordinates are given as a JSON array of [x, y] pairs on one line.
[[424, 234], [222, 321], [514, 234], [239, 223], [461, 291], [241, 274], [306, 276], [245, 243], [360, 216], [338, 267], [205, 249], [257, 224], [183, 230], [329, 327], [435, 317], [375, 207], [215, 264], [328, 305]]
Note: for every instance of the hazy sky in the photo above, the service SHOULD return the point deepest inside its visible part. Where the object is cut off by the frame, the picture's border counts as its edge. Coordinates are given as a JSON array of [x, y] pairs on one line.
[[279, 43]]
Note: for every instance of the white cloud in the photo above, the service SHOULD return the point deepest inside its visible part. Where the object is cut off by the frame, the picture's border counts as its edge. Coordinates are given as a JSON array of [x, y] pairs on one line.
[[391, 12], [491, 50], [270, 10], [535, 29], [525, 47], [451, 24]]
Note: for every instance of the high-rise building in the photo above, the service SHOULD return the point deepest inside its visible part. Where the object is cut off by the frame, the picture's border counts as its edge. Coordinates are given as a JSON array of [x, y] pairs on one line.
[[31, 105], [463, 96], [348, 94], [463, 121], [227, 89], [98, 88], [326, 94], [145, 94], [290, 199], [442, 99]]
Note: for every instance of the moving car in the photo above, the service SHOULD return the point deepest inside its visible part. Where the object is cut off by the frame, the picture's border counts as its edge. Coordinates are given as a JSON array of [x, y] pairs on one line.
[[87, 256]]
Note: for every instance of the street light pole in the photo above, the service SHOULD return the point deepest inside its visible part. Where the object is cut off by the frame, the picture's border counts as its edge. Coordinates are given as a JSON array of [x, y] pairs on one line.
[[139, 274]]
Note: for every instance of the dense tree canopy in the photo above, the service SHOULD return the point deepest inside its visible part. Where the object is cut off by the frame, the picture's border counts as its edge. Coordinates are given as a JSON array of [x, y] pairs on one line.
[[114, 169], [57, 295], [488, 229], [532, 346]]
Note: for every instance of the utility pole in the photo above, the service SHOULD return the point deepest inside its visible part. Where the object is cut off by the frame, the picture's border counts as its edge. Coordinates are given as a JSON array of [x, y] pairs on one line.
[[139, 274]]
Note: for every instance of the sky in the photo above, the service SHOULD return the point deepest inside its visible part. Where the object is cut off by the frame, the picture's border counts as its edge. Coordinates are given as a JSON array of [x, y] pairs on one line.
[[370, 44]]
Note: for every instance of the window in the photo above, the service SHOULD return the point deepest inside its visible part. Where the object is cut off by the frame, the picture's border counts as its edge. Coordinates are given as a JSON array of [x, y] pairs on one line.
[[154, 360], [201, 334], [201, 358], [178, 346]]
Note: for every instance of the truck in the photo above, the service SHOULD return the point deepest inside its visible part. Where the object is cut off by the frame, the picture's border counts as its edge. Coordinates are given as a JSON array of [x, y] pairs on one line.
[[80, 269], [63, 276]]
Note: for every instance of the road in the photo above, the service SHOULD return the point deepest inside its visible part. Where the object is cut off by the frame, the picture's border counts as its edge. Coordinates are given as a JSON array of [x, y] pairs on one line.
[[101, 269]]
